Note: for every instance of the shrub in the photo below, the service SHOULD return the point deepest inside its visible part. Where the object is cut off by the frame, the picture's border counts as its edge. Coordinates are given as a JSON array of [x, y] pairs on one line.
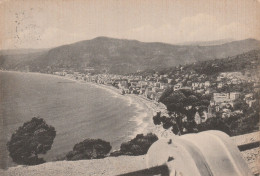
[[89, 149], [137, 146], [156, 118]]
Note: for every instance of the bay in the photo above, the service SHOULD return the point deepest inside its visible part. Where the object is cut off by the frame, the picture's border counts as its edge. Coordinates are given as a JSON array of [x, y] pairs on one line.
[[77, 111]]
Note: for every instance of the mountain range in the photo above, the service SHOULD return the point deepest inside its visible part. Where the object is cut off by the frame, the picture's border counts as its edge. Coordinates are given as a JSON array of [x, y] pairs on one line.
[[119, 56]]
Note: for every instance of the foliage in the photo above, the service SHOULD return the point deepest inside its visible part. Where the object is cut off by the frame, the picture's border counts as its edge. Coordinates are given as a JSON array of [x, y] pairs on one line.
[[241, 124], [89, 149], [240, 104], [156, 118], [240, 62], [137, 146], [33, 138], [214, 124], [180, 104], [184, 104], [166, 93]]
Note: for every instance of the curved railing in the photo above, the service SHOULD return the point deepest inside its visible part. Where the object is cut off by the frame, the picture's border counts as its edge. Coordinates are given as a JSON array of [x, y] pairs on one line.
[[210, 153]]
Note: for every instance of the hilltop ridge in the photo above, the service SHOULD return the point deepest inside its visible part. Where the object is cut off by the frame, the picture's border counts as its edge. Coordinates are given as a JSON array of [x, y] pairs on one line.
[[121, 56]]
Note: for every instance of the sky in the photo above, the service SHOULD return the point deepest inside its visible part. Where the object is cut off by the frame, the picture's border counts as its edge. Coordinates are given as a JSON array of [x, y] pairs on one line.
[[50, 23]]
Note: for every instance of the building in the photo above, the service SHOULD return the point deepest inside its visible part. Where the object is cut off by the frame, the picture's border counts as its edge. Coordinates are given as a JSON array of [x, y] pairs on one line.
[[169, 80], [208, 91], [177, 86], [248, 96], [186, 88], [157, 84], [201, 91], [220, 85], [195, 84], [207, 84], [221, 97], [234, 95], [251, 102]]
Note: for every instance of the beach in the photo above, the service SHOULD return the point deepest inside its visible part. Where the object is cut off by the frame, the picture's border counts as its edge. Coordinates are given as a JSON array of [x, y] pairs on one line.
[[144, 121], [152, 106], [68, 103]]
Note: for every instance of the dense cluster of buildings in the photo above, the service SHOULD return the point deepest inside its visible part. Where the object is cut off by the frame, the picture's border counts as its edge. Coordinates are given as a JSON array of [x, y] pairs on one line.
[[154, 85]]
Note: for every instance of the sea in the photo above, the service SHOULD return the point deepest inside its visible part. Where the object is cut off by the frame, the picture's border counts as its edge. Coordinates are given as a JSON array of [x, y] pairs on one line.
[[76, 110]]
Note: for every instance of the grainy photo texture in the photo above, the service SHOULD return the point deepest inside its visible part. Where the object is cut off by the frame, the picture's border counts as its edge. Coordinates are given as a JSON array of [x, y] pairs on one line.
[[129, 87]]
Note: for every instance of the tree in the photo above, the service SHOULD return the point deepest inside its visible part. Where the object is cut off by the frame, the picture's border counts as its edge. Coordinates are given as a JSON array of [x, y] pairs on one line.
[[241, 124], [166, 93], [156, 118], [33, 138], [240, 104], [180, 104], [89, 149]]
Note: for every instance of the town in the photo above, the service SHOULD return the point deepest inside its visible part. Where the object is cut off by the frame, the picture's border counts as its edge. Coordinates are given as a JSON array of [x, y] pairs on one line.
[[230, 93]]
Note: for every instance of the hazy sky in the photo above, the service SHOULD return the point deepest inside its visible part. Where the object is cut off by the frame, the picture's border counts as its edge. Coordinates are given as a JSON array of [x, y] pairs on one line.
[[48, 23]]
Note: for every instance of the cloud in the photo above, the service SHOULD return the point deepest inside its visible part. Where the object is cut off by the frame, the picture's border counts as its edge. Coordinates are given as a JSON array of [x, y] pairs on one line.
[[199, 27]]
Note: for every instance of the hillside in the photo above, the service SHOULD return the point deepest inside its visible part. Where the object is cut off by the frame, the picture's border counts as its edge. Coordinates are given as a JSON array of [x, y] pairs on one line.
[[247, 61], [208, 43], [121, 56], [21, 51]]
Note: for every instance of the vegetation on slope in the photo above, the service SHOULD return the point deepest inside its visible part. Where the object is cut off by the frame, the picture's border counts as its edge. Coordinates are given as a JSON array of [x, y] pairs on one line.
[[137, 146], [121, 56], [183, 104], [89, 149]]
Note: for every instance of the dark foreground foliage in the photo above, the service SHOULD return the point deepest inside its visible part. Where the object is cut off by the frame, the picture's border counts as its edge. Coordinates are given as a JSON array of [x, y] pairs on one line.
[[33, 138], [181, 104], [214, 124], [137, 146], [238, 124], [89, 149]]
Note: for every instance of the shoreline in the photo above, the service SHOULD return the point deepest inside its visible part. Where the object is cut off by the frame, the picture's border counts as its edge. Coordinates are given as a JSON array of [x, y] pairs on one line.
[[151, 107], [144, 124]]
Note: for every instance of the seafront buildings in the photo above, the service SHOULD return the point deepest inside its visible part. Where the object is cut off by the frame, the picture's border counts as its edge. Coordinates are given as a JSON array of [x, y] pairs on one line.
[[152, 86]]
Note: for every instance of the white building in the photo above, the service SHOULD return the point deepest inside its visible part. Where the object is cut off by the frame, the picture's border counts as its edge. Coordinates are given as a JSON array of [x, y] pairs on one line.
[[234, 95]]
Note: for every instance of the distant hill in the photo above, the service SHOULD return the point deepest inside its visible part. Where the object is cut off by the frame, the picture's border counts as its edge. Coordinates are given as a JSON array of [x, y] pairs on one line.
[[208, 43], [121, 56], [248, 61], [21, 51]]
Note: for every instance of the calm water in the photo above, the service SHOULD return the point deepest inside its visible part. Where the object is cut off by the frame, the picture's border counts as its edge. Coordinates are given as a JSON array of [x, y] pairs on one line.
[[76, 110]]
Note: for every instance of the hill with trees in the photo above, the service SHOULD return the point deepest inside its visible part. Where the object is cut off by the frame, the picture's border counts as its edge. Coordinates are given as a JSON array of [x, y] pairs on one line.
[[120, 56], [241, 62], [183, 104]]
